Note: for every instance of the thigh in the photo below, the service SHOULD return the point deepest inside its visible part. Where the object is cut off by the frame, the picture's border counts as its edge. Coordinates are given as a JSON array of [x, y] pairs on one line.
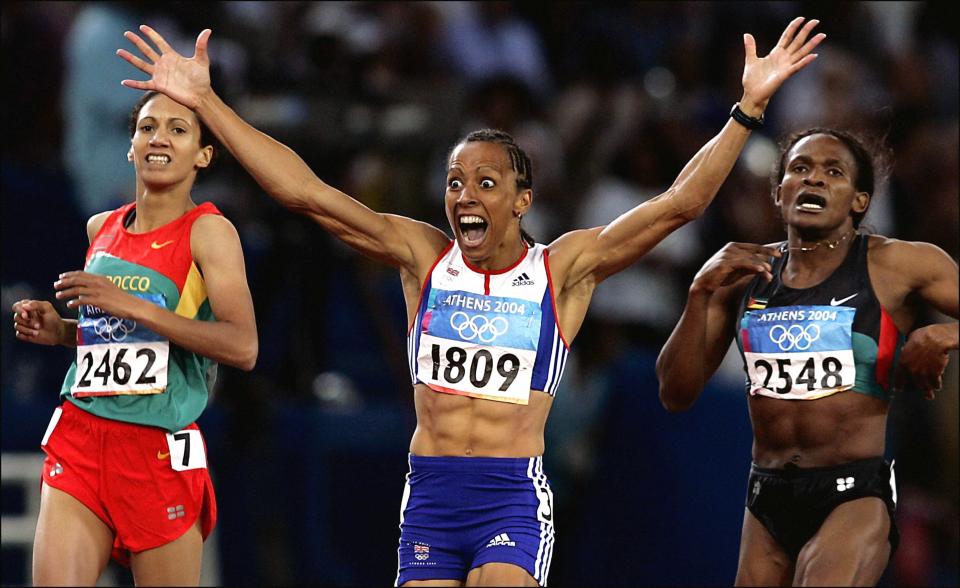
[[763, 562], [851, 548], [500, 574], [72, 545], [175, 564]]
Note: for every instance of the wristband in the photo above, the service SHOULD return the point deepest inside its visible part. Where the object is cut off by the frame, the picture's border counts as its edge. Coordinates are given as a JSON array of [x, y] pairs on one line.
[[744, 119]]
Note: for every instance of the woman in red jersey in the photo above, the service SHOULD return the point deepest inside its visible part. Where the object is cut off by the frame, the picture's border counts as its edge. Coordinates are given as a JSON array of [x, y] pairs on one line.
[[162, 299]]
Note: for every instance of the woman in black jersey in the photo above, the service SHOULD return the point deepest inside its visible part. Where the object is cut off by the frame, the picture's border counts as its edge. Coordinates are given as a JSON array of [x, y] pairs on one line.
[[825, 323]]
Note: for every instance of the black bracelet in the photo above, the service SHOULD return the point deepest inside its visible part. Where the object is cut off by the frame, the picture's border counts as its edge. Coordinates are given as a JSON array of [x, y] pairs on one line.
[[747, 121]]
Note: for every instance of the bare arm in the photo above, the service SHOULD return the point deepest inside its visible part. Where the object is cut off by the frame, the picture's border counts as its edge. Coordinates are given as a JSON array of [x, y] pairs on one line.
[[595, 254], [395, 240], [933, 279], [231, 339], [700, 340]]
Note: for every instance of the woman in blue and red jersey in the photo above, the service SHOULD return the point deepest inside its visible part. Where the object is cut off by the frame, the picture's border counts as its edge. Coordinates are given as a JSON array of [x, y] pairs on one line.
[[491, 313], [162, 299], [820, 321]]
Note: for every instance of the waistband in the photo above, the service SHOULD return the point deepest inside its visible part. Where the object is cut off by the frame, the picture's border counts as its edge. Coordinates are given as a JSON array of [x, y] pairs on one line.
[[78, 413], [480, 465], [798, 472]]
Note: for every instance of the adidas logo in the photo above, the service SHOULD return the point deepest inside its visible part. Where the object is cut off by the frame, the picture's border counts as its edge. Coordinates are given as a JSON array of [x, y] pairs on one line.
[[502, 539], [844, 484], [522, 280]]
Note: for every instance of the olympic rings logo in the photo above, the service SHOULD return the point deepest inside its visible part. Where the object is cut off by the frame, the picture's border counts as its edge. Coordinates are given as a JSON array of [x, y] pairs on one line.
[[795, 336], [478, 326], [111, 328]]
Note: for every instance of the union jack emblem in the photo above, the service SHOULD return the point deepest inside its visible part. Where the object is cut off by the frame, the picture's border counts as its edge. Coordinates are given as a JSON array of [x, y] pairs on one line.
[[421, 552]]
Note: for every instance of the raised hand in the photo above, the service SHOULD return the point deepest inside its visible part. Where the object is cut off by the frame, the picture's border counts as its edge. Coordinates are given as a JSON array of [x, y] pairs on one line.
[[186, 80], [734, 263], [36, 321], [762, 76]]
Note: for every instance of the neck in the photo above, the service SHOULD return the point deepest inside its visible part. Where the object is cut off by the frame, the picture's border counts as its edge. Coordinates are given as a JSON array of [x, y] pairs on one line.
[[157, 208], [505, 255], [798, 242]]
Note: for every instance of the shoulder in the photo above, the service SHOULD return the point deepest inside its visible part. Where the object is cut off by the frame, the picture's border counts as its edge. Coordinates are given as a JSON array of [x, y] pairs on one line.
[[95, 223], [213, 234], [910, 259], [212, 227], [899, 253]]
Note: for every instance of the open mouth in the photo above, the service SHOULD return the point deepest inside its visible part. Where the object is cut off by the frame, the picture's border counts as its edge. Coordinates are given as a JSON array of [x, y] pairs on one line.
[[472, 228], [811, 202]]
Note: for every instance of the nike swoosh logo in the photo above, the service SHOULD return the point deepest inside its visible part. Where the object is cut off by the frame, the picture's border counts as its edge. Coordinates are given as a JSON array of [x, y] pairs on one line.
[[156, 245], [835, 302], [163, 455]]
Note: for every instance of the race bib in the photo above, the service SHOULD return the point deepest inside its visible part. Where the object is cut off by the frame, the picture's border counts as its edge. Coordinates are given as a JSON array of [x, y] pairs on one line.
[[117, 356], [186, 450], [479, 346], [799, 352]]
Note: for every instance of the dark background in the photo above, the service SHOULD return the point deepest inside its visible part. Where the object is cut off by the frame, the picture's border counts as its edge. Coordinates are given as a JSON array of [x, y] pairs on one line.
[[308, 451]]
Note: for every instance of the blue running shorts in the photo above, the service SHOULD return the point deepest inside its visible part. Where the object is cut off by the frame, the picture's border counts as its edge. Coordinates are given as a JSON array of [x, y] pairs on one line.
[[459, 513]]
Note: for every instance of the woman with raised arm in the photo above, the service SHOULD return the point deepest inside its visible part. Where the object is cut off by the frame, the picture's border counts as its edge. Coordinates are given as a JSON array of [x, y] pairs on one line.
[[820, 321], [491, 313], [162, 298]]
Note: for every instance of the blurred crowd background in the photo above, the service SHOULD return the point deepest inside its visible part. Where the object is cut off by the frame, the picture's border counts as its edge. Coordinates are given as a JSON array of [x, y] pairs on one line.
[[308, 451]]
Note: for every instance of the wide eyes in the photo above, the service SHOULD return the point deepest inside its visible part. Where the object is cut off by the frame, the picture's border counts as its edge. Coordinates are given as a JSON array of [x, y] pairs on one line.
[[456, 184]]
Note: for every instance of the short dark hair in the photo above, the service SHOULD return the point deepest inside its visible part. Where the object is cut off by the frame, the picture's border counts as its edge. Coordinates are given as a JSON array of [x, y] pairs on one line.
[[871, 154], [206, 136], [519, 161]]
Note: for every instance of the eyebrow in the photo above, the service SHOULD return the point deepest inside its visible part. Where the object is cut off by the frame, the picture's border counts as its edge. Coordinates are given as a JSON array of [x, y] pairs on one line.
[[172, 119], [808, 159]]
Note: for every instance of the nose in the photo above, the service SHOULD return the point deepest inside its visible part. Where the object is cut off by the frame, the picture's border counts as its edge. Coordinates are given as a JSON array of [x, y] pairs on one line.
[[813, 179], [159, 138], [465, 196]]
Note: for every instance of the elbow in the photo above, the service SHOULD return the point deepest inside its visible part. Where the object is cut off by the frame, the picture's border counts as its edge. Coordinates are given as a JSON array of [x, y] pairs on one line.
[[670, 403], [250, 357], [246, 357]]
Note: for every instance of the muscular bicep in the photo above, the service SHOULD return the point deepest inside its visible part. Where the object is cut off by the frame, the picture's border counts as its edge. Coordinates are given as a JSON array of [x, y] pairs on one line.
[[219, 257], [938, 282], [600, 252], [395, 240]]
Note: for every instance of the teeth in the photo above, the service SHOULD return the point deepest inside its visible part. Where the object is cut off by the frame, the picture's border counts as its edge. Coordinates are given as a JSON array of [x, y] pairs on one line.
[[471, 219], [810, 206], [164, 159]]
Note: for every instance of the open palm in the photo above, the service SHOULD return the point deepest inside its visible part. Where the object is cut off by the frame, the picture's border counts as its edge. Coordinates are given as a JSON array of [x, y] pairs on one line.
[[184, 79], [762, 76]]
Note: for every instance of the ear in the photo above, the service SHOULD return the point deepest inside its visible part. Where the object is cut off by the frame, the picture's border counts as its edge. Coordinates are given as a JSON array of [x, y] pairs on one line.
[[861, 201], [523, 202], [204, 157], [130, 154], [776, 195]]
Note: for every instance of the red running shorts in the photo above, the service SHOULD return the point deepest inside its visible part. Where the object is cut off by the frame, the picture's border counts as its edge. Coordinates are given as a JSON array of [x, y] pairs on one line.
[[147, 485]]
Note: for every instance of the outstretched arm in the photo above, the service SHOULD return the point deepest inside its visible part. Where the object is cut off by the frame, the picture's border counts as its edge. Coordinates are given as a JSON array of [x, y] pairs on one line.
[[395, 240], [595, 254], [700, 340]]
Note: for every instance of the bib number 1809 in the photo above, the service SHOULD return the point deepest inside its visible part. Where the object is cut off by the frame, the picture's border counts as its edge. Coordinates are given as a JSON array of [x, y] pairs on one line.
[[479, 370]]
